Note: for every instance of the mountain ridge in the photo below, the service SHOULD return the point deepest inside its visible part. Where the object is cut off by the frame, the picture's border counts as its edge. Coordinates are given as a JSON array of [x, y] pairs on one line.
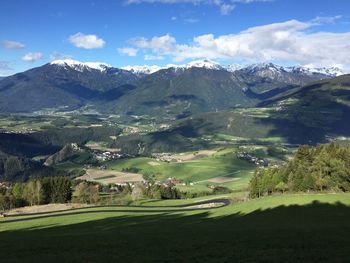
[[176, 91]]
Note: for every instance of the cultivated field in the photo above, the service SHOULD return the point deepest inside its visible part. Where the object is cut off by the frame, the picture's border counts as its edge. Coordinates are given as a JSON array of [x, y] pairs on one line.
[[100, 146], [110, 177], [194, 167]]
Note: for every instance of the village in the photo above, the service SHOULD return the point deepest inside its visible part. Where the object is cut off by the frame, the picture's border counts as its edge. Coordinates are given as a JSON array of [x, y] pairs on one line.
[[252, 159]]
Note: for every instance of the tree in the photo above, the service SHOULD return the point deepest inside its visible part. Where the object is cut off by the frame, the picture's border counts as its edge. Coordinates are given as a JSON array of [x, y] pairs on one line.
[[86, 193], [18, 193], [33, 192], [324, 167], [282, 187], [137, 192], [58, 189], [7, 202], [18, 190]]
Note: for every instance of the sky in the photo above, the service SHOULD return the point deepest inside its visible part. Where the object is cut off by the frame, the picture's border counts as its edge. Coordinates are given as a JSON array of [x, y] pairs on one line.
[[160, 32]]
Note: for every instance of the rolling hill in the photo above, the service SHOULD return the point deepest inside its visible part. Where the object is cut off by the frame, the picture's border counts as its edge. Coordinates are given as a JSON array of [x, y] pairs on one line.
[[311, 114]]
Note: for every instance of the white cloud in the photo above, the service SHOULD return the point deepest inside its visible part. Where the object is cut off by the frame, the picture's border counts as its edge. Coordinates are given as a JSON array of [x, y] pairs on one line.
[[58, 56], [290, 41], [157, 44], [250, 1], [173, 18], [226, 9], [32, 56], [5, 65], [191, 20], [168, 1], [325, 19], [81, 40], [131, 52], [152, 57], [226, 6], [5, 68], [12, 44]]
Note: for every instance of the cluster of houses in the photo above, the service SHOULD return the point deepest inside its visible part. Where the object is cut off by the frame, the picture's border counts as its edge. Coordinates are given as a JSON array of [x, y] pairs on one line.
[[22, 131], [118, 187], [4, 185], [253, 159], [107, 156], [165, 157]]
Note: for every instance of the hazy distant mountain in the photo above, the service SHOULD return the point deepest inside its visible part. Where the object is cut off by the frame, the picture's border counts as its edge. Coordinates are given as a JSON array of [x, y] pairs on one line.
[[274, 75]]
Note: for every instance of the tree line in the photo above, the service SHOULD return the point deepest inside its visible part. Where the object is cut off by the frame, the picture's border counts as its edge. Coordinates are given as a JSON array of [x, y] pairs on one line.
[[321, 168], [55, 189]]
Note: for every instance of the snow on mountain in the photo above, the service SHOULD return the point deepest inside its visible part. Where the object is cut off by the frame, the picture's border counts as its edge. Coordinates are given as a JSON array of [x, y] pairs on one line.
[[80, 66], [333, 71], [233, 67], [264, 66], [308, 70], [208, 64], [145, 69], [261, 69]]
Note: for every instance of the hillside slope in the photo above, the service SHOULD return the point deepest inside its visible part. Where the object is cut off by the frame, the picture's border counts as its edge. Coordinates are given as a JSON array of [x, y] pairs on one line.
[[310, 114]]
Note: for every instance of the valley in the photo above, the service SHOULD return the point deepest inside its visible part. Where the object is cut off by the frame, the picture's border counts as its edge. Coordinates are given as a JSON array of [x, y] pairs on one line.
[[129, 164], [168, 131]]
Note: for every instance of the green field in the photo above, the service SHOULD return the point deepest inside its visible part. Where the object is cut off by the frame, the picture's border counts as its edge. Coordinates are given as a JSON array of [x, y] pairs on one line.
[[224, 163], [286, 228]]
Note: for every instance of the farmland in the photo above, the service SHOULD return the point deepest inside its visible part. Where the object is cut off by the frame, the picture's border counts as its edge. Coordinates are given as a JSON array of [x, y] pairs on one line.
[[110, 177]]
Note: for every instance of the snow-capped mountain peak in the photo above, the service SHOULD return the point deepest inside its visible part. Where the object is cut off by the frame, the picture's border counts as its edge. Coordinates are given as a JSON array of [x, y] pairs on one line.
[[233, 67], [145, 69], [332, 71], [309, 70], [261, 69], [207, 64], [265, 66], [80, 66]]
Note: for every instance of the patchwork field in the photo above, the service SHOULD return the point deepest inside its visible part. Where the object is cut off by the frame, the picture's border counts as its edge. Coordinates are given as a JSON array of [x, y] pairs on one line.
[[110, 177], [100, 146], [193, 167], [222, 179]]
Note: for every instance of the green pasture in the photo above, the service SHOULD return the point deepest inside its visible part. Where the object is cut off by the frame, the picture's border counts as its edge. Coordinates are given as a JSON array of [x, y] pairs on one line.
[[285, 228]]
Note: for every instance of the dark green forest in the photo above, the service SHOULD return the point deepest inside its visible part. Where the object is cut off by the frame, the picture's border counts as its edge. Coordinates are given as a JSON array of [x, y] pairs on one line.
[[321, 168]]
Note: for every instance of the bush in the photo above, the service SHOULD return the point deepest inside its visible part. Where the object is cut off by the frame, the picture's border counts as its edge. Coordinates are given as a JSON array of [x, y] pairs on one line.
[[217, 190]]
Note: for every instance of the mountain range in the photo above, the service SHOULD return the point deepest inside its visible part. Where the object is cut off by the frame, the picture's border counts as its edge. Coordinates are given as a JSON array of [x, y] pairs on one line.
[[174, 91]]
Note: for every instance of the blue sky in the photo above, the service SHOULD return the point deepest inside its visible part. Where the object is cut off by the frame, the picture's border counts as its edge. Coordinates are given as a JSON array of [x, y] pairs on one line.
[[134, 32]]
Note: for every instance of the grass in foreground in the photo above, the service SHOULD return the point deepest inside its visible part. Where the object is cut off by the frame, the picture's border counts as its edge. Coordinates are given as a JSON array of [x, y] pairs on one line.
[[299, 228]]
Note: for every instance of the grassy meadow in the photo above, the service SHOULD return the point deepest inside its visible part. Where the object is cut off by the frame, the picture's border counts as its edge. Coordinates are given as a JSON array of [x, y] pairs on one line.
[[303, 228]]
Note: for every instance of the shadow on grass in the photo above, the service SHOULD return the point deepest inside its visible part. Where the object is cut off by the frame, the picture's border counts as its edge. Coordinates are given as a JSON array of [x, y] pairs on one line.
[[221, 202], [312, 233], [321, 109]]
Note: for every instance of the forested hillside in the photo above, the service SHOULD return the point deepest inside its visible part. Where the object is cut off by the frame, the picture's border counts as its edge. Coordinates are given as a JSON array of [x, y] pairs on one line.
[[320, 168]]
